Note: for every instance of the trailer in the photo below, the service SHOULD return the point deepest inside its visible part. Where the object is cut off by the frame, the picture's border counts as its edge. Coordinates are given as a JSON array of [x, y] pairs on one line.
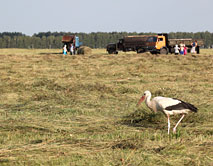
[[139, 43]]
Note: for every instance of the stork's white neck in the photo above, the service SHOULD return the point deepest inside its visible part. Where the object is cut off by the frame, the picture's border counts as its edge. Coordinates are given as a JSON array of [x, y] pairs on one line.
[[148, 101]]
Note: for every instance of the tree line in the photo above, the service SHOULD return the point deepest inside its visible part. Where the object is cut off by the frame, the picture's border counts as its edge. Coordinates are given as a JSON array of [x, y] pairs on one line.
[[50, 40]]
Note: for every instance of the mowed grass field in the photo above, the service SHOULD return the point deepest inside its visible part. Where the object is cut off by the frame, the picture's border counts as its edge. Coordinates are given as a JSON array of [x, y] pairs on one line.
[[81, 110]]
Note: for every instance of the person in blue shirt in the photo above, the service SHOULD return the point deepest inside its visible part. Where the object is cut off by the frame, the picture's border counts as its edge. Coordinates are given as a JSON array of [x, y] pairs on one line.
[[194, 45], [181, 49]]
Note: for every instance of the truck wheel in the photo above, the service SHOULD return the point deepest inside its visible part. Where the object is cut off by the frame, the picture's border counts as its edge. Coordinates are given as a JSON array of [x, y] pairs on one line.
[[163, 51], [140, 51], [110, 52], [172, 50], [153, 52]]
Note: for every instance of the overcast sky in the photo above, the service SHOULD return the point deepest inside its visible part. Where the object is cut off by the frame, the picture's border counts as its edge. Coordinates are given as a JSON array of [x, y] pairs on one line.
[[33, 16]]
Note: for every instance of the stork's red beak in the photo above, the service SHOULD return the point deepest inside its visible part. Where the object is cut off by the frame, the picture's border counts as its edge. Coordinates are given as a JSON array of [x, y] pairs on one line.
[[141, 100]]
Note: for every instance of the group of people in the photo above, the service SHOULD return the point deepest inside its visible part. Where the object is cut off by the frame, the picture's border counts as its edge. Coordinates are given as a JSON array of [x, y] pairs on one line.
[[182, 50], [71, 49]]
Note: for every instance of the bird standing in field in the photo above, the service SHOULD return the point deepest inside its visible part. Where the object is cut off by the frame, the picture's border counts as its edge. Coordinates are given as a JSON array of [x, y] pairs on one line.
[[168, 106]]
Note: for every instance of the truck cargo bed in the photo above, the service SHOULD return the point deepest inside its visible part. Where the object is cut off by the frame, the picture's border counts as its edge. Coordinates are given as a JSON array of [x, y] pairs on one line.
[[187, 42]]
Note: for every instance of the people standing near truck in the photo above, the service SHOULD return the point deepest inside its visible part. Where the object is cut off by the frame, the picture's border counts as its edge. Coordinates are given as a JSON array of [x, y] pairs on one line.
[[176, 49], [71, 49], [194, 45], [65, 50], [181, 49]]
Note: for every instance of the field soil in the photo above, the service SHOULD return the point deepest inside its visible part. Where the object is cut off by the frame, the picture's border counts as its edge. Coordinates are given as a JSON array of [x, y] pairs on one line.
[[80, 110]]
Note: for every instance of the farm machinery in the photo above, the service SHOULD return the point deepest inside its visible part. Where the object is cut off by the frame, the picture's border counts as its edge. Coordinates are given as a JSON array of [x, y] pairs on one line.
[[69, 40]]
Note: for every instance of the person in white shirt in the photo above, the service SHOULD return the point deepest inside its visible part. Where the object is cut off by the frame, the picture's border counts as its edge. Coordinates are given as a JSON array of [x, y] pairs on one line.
[[65, 50], [176, 49], [71, 49]]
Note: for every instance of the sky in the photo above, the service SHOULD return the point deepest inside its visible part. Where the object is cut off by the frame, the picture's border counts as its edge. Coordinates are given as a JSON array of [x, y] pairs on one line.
[[34, 16]]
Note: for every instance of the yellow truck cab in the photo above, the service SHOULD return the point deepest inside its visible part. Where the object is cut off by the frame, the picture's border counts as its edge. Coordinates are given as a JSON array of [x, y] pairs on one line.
[[162, 44]]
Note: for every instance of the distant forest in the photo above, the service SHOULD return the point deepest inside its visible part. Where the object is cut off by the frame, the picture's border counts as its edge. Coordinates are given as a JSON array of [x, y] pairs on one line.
[[94, 40]]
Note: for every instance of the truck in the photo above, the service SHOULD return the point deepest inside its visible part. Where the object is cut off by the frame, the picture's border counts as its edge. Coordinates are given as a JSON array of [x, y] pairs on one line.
[[155, 44], [71, 39]]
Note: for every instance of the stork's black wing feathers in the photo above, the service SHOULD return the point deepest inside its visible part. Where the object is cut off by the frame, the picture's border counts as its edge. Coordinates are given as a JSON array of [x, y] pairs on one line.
[[182, 105]]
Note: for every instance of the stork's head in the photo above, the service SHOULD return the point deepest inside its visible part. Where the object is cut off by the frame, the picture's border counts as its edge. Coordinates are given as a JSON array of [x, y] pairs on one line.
[[144, 96]]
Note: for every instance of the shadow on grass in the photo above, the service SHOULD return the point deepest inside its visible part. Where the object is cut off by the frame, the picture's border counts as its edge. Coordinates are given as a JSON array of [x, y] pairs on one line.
[[141, 118], [127, 144], [153, 122], [158, 121], [51, 53]]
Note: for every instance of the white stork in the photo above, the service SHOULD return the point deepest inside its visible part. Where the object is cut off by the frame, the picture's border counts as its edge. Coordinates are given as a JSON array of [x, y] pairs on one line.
[[168, 106]]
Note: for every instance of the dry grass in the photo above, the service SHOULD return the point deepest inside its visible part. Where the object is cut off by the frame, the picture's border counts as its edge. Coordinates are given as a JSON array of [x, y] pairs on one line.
[[81, 110]]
